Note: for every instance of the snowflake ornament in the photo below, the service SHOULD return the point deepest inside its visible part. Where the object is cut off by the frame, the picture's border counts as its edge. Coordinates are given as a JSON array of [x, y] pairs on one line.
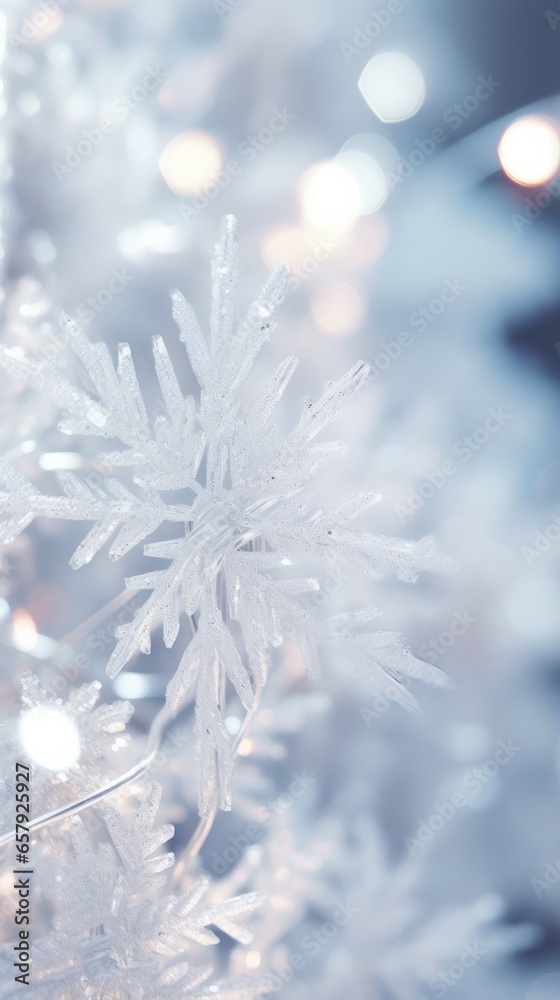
[[246, 514], [113, 938], [100, 733]]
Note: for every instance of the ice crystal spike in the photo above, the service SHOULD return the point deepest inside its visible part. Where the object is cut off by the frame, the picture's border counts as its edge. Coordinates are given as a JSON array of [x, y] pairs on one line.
[[247, 513]]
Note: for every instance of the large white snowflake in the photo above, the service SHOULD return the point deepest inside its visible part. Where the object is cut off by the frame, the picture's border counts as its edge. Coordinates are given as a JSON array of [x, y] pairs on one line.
[[246, 513]]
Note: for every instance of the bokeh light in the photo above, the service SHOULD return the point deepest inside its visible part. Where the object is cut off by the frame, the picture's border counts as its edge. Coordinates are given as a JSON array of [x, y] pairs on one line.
[[338, 309], [60, 460], [151, 237], [369, 178], [50, 738], [544, 987], [372, 238], [529, 151], [330, 198], [103, 5], [392, 86], [287, 244], [190, 162], [24, 631]]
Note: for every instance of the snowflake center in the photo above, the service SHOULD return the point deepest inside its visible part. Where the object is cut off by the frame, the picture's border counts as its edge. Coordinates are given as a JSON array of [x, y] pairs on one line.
[[226, 524]]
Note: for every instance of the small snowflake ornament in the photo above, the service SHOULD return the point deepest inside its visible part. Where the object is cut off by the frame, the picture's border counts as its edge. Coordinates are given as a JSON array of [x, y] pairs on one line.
[[98, 730], [114, 938]]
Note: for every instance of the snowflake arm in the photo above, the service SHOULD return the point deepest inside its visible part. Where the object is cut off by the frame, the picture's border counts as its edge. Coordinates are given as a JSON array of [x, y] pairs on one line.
[[381, 658], [117, 508], [140, 873]]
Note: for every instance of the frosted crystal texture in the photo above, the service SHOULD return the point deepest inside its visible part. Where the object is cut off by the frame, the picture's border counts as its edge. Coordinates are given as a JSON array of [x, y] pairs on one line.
[[247, 513], [113, 938], [399, 927]]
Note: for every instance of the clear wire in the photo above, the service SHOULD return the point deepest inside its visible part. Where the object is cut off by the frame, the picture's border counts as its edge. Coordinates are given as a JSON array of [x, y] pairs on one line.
[[157, 729]]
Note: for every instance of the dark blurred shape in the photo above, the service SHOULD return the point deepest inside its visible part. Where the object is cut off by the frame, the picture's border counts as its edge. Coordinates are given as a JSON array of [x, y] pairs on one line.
[[537, 339]]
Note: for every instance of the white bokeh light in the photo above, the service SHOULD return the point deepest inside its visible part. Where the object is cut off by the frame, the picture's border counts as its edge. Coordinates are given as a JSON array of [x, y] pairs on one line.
[[529, 151], [24, 630], [190, 162], [369, 177], [50, 738], [330, 198], [286, 243], [338, 309], [531, 607], [392, 86]]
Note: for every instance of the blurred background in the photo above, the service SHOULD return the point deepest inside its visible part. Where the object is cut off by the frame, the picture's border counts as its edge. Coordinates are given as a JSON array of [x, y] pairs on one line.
[[404, 157]]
